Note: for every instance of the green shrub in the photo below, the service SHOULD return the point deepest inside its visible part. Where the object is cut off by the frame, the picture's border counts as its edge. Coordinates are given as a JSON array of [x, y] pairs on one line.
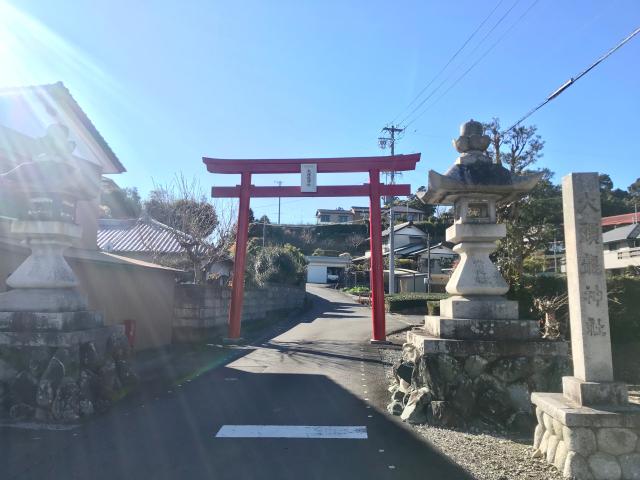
[[411, 303], [285, 265], [624, 301], [358, 291], [624, 308]]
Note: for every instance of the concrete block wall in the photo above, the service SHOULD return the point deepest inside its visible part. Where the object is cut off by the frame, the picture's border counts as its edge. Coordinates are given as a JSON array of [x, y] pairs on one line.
[[201, 311]]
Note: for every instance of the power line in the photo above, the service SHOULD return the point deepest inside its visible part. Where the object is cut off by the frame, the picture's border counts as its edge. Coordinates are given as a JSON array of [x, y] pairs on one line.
[[466, 72], [433, 92], [451, 59], [572, 80]]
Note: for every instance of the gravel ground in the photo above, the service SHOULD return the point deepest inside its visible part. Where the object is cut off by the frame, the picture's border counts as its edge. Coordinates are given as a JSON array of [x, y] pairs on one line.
[[487, 455]]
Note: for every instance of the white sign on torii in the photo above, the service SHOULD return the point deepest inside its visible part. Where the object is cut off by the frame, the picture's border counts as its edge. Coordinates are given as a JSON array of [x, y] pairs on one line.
[[309, 176]]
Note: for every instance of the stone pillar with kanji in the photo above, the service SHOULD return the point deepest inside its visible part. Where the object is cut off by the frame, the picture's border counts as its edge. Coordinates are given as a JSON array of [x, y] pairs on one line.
[[589, 431]]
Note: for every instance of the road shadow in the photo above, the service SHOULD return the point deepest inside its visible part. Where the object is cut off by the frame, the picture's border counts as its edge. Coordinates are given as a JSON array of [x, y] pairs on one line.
[[174, 437]]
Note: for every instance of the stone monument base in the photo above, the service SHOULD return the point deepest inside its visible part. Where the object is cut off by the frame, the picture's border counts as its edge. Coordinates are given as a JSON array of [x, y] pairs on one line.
[[467, 380], [479, 329], [595, 393], [43, 300], [587, 442], [57, 367], [476, 306]]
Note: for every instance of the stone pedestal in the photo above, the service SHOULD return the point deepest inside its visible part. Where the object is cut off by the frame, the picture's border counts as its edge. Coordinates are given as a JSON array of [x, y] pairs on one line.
[[587, 442], [488, 380], [58, 367]]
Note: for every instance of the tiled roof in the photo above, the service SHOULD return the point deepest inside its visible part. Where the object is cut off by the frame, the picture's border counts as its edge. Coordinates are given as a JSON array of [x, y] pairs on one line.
[[142, 235], [621, 233], [401, 226], [623, 219], [337, 212], [404, 209]]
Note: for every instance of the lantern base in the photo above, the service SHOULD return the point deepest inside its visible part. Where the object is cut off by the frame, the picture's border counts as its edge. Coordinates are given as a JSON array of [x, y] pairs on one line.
[[43, 300]]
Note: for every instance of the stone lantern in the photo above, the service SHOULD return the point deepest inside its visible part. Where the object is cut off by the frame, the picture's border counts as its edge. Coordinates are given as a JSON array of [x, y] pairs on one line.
[[477, 361], [474, 185], [60, 361], [51, 184]]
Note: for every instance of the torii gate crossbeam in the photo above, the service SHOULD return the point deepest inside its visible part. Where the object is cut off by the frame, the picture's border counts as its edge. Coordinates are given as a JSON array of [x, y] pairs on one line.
[[374, 190]]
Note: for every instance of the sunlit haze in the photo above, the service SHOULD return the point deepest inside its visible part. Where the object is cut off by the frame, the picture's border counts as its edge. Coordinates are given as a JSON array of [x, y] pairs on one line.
[[169, 82]]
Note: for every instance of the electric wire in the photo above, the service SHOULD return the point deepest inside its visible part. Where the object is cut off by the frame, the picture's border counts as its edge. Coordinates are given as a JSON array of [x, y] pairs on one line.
[[451, 59], [466, 72], [573, 80], [435, 90]]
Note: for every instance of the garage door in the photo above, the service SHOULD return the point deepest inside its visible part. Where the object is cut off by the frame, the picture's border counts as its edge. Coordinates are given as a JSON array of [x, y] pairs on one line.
[[316, 274]]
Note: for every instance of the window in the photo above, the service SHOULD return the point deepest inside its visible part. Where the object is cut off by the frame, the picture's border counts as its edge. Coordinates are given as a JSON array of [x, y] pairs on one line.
[[325, 218], [343, 218]]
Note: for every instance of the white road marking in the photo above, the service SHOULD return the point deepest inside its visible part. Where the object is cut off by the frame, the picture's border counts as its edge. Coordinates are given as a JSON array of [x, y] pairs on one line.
[[292, 431]]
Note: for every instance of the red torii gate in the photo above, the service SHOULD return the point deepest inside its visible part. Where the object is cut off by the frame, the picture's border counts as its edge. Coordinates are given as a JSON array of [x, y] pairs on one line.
[[374, 190]]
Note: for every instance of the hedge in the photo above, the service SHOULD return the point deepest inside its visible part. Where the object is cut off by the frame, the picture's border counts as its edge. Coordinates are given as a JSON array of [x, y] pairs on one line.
[[412, 303], [624, 301]]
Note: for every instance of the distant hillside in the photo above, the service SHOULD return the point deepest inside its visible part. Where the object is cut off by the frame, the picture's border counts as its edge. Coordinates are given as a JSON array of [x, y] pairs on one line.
[[332, 239]]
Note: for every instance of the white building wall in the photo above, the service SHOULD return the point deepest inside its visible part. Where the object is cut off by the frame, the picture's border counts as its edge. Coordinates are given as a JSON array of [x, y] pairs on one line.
[[622, 258]]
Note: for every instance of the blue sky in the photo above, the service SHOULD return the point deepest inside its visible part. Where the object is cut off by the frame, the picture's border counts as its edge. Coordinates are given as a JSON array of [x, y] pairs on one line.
[[168, 82]]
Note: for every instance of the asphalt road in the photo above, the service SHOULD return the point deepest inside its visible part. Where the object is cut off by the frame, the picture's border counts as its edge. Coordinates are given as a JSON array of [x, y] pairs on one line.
[[319, 371]]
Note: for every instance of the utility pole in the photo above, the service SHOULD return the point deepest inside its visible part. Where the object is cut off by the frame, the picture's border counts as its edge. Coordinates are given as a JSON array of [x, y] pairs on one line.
[[392, 130], [428, 262], [555, 250], [279, 182]]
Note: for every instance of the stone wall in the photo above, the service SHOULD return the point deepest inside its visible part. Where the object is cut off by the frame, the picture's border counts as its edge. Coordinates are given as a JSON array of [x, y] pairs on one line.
[[456, 386], [62, 376], [202, 311]]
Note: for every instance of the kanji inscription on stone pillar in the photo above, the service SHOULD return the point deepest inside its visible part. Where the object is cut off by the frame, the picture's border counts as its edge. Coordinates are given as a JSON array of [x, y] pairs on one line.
[[588, 308]]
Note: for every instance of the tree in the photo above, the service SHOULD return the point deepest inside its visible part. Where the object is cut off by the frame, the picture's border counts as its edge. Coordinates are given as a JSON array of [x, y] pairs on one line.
[[116, 202], [530, 220], [355, 240], [634, 189], [264, 219], [613, 201], [204, 233]]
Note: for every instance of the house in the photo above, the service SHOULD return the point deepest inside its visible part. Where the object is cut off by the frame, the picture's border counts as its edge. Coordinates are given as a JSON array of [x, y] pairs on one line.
[[323, 269], [406, 213], [437, 259], [432, 267], [404, 234], [354, 214], [622, 247], [617, 220], [360, 213], [147, 239], [339, 215], [119, 287]]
